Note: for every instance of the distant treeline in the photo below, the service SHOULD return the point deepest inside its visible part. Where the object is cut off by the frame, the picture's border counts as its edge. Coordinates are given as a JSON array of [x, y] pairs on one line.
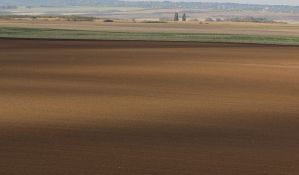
[[8, 7], [154, 5], [57, 2], [251, 19], [242, 19], [212, 6], [66, 18]]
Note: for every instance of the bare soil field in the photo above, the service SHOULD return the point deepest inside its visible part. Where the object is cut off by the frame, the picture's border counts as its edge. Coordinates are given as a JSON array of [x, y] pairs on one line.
[[133, 107]]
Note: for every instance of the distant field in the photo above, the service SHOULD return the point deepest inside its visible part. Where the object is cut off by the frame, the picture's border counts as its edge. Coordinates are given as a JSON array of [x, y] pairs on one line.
[[121, 11], [13, 32], [56, 28], [169, 27]]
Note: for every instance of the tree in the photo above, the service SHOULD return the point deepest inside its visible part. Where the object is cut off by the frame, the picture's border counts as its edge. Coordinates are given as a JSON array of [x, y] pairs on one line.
[[184, 17], [176, 16]]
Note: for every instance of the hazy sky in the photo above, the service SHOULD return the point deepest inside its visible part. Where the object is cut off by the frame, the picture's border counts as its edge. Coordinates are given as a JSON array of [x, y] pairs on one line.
[[283, 2]]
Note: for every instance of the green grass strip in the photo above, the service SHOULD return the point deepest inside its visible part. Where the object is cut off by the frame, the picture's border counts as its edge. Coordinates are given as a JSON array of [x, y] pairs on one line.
[[14, 32]]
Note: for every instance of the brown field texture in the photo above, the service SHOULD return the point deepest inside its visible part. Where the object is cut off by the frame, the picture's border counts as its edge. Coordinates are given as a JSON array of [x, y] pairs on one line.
[[132, 107]]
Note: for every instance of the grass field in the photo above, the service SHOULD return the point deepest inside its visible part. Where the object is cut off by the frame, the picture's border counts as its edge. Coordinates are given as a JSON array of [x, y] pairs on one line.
[[15, 32]]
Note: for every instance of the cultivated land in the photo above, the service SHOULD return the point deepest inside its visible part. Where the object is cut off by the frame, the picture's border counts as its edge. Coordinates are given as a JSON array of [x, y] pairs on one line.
[[129, 107], [286, 34]]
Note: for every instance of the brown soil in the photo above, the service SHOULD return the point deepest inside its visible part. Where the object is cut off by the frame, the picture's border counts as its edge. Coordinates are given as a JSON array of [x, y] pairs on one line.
[[100, 107]]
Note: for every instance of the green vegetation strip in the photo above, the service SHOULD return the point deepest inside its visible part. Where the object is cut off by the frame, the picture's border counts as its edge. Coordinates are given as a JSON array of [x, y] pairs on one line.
[[12, 32]]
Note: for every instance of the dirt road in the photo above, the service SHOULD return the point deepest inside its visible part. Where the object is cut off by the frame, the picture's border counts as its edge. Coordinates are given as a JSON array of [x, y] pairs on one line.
[[104, 107]]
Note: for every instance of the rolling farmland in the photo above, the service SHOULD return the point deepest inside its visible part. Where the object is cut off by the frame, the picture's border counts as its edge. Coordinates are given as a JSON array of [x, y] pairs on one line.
[[145, 107]]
